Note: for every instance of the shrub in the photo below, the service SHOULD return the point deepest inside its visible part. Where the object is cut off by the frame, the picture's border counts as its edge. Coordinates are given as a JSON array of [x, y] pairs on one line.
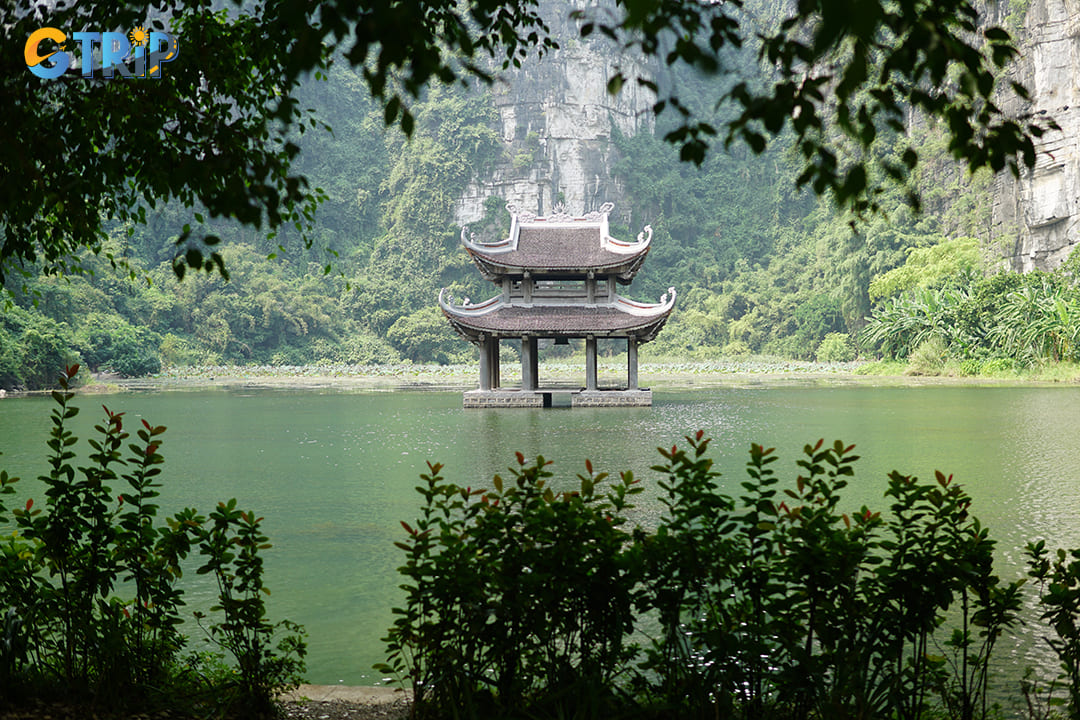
[[176, 351], [928, 358], [788, 603], [971, 367], [737, 348], [89, 587], [1058, 575], [998, 366], [231, 542], [521, 602], [540, 621], [422, 336], [836, 347], [790, 346]]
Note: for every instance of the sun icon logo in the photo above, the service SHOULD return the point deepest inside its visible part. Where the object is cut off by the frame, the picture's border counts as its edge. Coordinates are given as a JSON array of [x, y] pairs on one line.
[[139, 36]]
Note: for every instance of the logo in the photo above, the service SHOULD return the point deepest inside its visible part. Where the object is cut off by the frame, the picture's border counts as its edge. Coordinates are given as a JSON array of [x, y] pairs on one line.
[[139, 54]]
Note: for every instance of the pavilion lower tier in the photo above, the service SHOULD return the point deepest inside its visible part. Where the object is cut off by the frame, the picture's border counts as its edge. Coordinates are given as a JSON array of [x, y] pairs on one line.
[[530, 380]]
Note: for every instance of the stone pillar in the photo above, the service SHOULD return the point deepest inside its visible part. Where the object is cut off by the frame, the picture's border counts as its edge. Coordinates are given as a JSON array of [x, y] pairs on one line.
[[496, 382], [590, 362], [485, 363], [631, 363], [528, 363], [527, 288], [535, 355]]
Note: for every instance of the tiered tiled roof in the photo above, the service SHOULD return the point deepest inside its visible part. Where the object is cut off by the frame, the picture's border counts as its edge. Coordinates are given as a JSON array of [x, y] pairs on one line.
[[619, 318], [560, 246]]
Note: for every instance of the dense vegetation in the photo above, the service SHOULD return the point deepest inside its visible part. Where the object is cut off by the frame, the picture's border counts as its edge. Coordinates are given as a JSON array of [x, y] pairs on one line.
[[91, 592], [955, 316], [760, 266], [776, 603]]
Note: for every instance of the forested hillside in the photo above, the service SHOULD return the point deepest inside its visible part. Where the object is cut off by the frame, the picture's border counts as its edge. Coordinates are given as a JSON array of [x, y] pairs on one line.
[[760, 267]]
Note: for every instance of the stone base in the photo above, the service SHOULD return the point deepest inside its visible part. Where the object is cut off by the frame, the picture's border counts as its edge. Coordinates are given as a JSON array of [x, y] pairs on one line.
[[546, 398], [612, 398], [503, 399]]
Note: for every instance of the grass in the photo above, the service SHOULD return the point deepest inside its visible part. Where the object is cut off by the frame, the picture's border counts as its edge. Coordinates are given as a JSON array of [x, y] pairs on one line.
[[991, 369], [889, 368], [1063, 372]]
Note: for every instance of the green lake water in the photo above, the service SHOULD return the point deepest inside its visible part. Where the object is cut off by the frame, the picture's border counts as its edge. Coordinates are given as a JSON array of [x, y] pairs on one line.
[[334, 472]]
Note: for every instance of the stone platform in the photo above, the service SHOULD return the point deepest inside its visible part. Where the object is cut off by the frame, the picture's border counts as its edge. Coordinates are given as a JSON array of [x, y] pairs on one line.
[[503, 399], [553, 398], [612, 398]]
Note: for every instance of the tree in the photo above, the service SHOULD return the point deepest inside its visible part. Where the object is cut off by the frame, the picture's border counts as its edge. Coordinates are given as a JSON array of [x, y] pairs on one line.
[[215, 132]]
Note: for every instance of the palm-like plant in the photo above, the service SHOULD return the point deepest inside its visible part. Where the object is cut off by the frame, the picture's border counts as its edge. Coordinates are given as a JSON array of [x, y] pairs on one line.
[[1039, 321], [904, 322]]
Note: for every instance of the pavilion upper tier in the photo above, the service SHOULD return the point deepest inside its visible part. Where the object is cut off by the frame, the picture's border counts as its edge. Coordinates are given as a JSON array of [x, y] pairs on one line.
[[559, 247]]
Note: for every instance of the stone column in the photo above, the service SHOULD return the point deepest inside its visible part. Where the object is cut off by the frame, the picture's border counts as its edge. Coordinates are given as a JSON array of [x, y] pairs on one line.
[[496, 382], [528, 363], [535, 355], [631, 363], [485, 363], [590, 363]]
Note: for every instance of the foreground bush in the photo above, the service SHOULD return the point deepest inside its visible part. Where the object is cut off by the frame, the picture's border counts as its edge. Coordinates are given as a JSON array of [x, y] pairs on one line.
[[526, 602], [90, 597], [519, 597]]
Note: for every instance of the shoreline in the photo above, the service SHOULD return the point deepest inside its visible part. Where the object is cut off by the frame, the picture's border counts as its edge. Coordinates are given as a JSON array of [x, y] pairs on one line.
[[373, 695], [658, 375], [662, 376]]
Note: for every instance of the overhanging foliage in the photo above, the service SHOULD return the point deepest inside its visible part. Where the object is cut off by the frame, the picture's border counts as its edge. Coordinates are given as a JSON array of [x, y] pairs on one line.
[[214, 131]]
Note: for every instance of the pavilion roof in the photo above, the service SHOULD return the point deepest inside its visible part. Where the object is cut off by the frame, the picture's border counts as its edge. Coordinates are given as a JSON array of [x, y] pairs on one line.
[[559, 245], [621, 318]]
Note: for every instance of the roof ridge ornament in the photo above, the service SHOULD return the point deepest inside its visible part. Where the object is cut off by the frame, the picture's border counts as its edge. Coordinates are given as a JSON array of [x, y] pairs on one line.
[[559, 214], [601, 214], [523, 216], [641, 235]]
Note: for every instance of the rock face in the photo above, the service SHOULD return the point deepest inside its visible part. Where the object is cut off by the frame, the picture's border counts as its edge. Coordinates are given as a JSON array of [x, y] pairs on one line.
[[557, 120], [1038, 215]]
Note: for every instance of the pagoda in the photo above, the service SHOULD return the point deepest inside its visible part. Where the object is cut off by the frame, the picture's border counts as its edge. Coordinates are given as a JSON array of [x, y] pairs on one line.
[[557, 277]]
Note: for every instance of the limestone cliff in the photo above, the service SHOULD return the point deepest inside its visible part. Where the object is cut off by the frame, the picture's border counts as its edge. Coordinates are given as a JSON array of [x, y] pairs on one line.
[[557, 120], [1038, 215]]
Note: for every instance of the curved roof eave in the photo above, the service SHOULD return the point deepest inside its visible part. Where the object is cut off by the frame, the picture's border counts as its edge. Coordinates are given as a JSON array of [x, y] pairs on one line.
[[622, 318], [559, 244]]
